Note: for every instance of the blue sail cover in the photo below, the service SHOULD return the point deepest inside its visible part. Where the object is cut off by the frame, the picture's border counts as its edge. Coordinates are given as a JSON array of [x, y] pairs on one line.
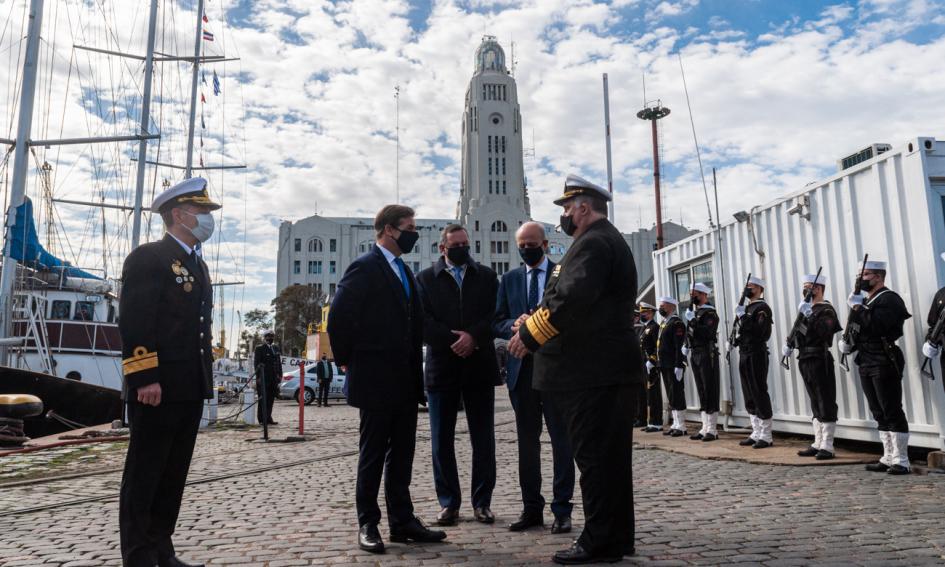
[[25, 246]]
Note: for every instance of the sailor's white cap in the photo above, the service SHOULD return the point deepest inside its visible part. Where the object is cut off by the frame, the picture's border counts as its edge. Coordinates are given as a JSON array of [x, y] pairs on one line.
[[757, 281], [191, 191], [575, 186], [876, 265], [701, 287], [809, 278], [644, 306], [667, 299]]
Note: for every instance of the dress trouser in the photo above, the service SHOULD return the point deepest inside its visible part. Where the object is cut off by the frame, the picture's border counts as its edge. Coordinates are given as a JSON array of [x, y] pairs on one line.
[[705, 370], [820, 381], [599, 425], [654, 398], [753, 370], [264, 412], [883, 388], [156, 465], [323, 392], [675, 389], [479, 403], [388, 439], [530, 406]]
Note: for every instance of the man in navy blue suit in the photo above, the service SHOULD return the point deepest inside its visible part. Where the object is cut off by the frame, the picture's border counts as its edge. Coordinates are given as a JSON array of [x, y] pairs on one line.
[[376, 329], [520, 293]]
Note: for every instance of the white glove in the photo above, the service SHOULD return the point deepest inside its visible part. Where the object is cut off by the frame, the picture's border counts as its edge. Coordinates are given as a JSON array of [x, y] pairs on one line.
[[685, 350], [727, 346], [844, 347], [679, 374], [649, 366], [855, 299], [805, 309], [739, 311], [690, 315], [786, 351], [930, 350]]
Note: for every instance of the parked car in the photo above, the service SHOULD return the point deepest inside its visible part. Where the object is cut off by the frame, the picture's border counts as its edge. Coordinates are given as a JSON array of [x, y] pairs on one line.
[[289, 387]]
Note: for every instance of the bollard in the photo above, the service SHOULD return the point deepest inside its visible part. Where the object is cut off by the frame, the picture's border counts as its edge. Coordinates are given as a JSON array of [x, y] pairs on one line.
[[246, 405], [210, 411], [302, 398]]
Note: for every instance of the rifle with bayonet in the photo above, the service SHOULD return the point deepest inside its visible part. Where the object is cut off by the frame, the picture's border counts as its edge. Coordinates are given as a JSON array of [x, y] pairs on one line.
[[733, 336], [935, 337], [852, 330], [799, 322]]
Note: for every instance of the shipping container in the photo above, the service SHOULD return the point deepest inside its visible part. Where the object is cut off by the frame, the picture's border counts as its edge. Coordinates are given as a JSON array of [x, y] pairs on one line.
[[891, 206]]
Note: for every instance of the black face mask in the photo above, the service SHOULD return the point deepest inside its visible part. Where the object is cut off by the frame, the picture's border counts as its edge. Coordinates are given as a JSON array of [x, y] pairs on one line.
[[567, 224], [406, 240], [324, 358], [268, 340], [749, 293], [694, 299], [531, 256], [458, 255], [662, 312], [866, 285]]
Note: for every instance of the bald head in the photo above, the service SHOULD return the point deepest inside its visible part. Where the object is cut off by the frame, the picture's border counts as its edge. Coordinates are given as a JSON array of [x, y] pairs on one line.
[[531, 232], [531, 241]]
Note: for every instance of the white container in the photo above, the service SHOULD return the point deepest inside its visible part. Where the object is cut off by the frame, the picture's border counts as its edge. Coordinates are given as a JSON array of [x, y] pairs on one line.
[[891, 206]]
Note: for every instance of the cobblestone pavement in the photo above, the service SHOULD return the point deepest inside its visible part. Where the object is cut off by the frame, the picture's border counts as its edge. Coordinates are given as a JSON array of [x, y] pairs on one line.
[[286, 504]]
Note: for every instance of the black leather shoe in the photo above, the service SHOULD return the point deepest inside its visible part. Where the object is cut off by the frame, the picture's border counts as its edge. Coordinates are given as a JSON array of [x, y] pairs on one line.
[[808, 452], [447, 517], [708, 437], [696, 437], [669, 431], [653, 429], [577, 555], [676, 433], [877, 467], [746, 442], [761, 444], [527, 520], [369, 539], [484, 515], [272, 422], [823, 455], [176, 562], [417, 532], [898, 469], [561, 525]]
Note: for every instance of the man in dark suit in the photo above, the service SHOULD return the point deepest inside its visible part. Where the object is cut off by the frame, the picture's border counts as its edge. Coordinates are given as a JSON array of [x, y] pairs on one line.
[[588, 358], [376, 329], [166, 307], [520, 293], [324, 374], [459, 304], [268, 360]]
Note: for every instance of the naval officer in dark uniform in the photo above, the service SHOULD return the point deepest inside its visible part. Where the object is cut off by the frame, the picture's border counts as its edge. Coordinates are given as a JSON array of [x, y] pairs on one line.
[[587, 357], [702, 333], [930, 348], [654, 392], [672, 363], [166, 306], [268, 360]]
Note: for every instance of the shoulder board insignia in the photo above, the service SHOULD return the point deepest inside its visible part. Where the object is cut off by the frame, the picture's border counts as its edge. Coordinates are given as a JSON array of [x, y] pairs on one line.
[[557, 271]]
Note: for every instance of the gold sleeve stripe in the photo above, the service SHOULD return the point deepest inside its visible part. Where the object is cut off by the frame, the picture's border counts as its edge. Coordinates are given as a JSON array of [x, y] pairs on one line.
[[142, 360], [532, 325], [542, 325], [544, 317], [539, 326]]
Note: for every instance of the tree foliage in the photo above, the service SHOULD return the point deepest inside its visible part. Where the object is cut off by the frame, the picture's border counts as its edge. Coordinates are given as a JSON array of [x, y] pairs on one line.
[[295, 308], [255, 323]]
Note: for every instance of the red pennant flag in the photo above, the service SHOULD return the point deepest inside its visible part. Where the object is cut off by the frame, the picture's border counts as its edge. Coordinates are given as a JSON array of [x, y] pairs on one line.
[[203, 98], [205, 19]]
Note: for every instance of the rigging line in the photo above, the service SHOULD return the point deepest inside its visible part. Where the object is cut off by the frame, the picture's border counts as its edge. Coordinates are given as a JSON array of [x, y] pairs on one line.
[[705, 189], [17, 83]]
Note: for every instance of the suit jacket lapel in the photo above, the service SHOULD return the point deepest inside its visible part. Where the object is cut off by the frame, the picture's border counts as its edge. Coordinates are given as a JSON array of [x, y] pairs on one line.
[[396, 286]]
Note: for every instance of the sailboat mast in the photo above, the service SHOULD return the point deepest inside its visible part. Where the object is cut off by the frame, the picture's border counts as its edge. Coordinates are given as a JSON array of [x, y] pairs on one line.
[[20, 168], [145, 127], [198, 42]]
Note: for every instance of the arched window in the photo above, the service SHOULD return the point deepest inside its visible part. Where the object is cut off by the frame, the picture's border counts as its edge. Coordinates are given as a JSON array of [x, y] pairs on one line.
[[365, 246], [315, 245], [499, 226]]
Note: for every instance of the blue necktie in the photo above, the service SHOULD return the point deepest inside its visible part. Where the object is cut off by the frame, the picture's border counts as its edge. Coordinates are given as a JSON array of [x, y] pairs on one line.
[[533, 290], [403, 276], [458, 276]]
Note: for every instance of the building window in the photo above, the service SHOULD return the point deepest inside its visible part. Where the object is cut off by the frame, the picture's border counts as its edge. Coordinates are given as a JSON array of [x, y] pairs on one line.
[[490, 186], [483, 91], [332, 267], [315, 267], [365, 246], [60, 309], [499, 226], [416, 267], [490, 166], [499, 247], [503, 187], [297, 267], [503, 166], [478, 243], [333, 244], [503, 144], [298, 244], [315, 245], [490, 144], [477, 226], [331, 289], [684, 278]]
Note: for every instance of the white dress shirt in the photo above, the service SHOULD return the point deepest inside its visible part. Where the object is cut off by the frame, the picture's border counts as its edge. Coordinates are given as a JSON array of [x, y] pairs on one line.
[[391, 261]]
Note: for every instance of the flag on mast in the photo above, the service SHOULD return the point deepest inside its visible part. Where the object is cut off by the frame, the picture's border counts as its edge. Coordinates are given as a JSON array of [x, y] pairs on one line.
[[203, 98], [216, 84], [207, 36]]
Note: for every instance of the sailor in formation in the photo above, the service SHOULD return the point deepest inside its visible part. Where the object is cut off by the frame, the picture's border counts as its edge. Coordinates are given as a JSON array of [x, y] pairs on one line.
[[932, 348], [879, 317], [702, 328], [812, 341], [649, 334], [672, 363], [754, 330]]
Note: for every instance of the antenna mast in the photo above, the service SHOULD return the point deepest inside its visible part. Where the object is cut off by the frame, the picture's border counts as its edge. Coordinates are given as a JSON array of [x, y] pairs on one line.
[[198, 43], [145, 127], [654, 113], [397, 139], [610, 172]]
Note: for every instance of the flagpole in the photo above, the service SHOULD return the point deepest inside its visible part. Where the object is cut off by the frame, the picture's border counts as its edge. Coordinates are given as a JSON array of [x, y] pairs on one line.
[[145, 127], [198, 44], [397, 137]]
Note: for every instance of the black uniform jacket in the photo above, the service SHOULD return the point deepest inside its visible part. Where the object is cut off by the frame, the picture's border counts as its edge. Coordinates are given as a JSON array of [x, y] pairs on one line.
[[268, 363], [754, 328], [815, 334], [880, 319], [378, 334], [165, 315], [582, 334], [703, 330], [446, 308], [648, 337], [938, 302], [671, 340], [323, 370]]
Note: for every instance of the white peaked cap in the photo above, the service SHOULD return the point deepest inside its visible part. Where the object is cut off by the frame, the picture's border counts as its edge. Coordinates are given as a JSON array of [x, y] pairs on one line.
[[575, 186], [876, 265], [667, 299], [192, 191], [757, 281], [701, 287], [645, 305], [809, 278]]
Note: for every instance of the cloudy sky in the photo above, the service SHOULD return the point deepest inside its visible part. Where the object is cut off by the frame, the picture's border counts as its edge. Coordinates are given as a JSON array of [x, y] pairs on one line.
[[779, 91]]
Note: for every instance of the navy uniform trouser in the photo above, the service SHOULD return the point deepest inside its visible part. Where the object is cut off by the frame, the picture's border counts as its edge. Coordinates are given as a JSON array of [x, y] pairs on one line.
[[705, 370], [820, 380], [675, 389], [753, 370], [883, 388]]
